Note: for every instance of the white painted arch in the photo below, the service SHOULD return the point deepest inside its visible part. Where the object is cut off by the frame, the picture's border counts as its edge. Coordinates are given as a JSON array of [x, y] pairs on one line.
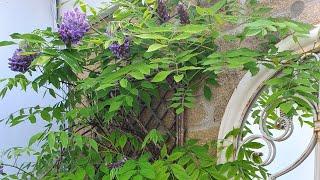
[[249, 86]]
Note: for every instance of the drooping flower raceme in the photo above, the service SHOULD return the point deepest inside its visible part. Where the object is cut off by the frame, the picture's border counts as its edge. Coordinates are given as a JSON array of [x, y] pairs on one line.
[[73, 27], [121, 51], [19, 62], [162, 11], [183, 13]]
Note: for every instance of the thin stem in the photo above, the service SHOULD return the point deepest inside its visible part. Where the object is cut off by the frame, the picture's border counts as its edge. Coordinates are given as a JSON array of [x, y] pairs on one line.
[[96, 30], [16, 167]]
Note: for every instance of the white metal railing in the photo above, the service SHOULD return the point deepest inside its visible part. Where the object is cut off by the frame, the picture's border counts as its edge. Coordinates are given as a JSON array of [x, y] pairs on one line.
[[287, 127]]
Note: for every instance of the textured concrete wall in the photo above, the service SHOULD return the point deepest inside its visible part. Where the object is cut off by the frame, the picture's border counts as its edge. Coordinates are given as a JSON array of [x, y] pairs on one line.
[[203, 122], [301, 10]]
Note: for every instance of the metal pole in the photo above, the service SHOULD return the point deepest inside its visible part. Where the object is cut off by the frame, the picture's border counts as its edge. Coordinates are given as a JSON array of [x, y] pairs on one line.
[[317, 162], [317, 131], [317, 149]]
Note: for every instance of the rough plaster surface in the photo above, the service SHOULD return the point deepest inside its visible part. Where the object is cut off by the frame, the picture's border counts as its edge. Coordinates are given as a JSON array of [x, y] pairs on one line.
[[203, 121], [301, 10]]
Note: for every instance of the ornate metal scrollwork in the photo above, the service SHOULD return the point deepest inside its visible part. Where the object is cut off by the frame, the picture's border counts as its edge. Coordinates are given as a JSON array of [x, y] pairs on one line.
[[271, 147], [284, 124]]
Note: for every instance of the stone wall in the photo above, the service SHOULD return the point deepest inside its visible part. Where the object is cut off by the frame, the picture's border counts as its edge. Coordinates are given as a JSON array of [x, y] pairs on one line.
[[203, 122]]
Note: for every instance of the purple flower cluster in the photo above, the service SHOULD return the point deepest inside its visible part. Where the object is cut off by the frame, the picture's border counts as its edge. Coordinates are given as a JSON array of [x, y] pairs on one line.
[[162, 11], [20, 63], [183, 13], [73, 27], [121, 51]]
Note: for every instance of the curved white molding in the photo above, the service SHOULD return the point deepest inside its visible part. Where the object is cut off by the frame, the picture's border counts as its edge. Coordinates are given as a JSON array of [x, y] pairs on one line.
[[241, 100], [249, 85]]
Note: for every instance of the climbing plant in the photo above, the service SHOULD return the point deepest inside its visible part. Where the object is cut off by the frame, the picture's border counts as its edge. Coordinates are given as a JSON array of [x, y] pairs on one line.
[[103, 71]]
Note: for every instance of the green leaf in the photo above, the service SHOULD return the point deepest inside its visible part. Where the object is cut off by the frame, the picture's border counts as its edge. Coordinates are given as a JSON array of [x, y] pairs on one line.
[[218, 5], [32, 118], [193, 28], [181, 37], [203, 11], [252, 32], [164, 151], [80, 173], [64, 139], [137, 75], [179, 172], [35, 138], [27, 53], [45, 115], [252, 67], [127, 175], [151, 36], [217, 175], [229, 152], [128, 166], [52, 93], [138, 177], [175, 105], [129, 101], [103, 168], [92, 10], [56, 113], [94, 144], [71, 61], [23, 84], [184, 160], [195, 174], [185, 68], [175, 156], [179, 110], [186, 57], [6, 43], [157, 29], [305, 89], [146, 98], [253, 145], [148, 173], [79, 141], [122, 141], [155, 47], [286, 107], [51, 140], [178, 78], [207, 92], [41, 60], [276, 81], [161, 76], [115, 106], [124, 83], [153, 136], [83, 6], [28, 37], [90, 171], [147, 170]]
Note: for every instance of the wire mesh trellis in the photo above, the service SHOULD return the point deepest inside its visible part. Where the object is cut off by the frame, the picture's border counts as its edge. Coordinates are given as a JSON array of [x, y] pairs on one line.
[[158, 115]]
